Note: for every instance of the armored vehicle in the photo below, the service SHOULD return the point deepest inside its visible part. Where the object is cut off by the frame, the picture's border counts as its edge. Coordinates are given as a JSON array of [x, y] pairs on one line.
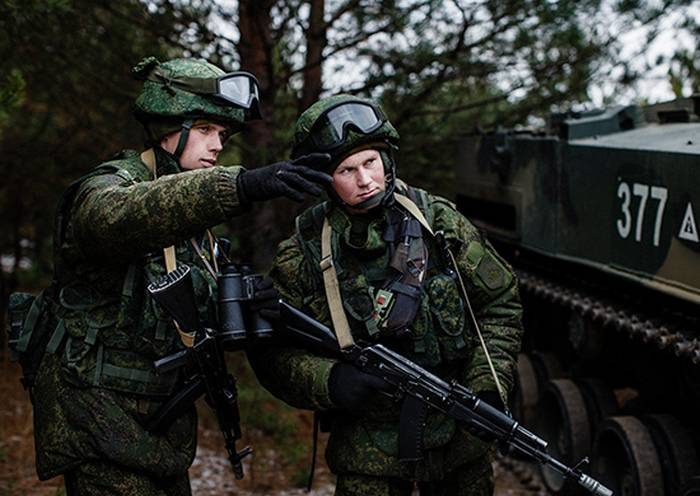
[[600, 216]]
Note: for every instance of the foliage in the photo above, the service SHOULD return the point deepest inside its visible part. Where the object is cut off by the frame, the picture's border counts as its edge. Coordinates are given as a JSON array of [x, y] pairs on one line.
[[64, 107]]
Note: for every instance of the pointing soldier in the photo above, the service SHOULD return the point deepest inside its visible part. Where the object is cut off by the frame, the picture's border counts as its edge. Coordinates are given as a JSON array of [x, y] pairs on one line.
[[95, 387], [366, 263]]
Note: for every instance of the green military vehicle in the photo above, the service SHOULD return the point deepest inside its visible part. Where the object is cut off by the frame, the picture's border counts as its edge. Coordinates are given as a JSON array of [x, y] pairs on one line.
[[600, 216]]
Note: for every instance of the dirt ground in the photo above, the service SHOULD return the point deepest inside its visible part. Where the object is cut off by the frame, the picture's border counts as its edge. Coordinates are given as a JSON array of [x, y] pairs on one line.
[[268, 471]]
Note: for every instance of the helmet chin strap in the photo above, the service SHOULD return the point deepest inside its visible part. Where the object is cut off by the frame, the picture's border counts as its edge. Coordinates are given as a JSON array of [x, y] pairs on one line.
[[370, 202], [390, 176], [184, 135]]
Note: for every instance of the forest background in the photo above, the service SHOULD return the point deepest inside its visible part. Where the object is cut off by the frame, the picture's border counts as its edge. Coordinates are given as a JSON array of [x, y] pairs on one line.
[[440, 68]]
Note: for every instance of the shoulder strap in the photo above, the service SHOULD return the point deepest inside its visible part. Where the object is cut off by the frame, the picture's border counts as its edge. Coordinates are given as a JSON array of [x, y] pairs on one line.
[[413, 209], [330, 282]]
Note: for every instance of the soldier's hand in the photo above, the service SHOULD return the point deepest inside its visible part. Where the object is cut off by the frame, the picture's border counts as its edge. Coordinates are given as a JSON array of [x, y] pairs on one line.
[[291, 179], [351, 388], [266, 299]]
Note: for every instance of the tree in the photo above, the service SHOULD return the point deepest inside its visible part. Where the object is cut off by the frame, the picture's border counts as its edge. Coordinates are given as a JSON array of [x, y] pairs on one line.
[[65, 107], [439, 67]]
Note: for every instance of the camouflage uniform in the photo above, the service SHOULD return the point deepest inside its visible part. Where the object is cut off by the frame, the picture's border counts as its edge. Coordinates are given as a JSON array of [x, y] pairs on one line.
[[363, 445], [101, 375], [96, 386]]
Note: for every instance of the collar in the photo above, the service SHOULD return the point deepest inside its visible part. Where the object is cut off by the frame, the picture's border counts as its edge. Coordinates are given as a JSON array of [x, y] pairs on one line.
[[359, 231]]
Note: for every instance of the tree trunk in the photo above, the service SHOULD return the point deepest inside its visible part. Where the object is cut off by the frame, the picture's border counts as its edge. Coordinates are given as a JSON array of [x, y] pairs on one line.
[[256, 51], [315, 43]]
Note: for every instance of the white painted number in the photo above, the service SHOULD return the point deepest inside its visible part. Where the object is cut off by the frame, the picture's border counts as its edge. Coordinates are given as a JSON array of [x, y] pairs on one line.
[[624, 225], [642, 191], [661, 194]]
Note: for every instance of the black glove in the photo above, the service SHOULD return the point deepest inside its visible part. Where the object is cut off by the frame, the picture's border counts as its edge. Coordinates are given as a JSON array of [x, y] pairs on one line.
[[290, 179], [266, 299], [350, 388]]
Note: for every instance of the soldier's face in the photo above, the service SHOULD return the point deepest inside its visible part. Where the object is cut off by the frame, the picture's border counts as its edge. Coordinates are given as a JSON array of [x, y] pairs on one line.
[[203, 145], [359, 177]]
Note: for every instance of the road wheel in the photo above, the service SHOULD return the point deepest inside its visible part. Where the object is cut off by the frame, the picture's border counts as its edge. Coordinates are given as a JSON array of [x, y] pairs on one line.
[[625, 459]]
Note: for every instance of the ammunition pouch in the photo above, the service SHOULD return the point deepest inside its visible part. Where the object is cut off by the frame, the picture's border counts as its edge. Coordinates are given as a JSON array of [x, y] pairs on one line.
[[32, 326]]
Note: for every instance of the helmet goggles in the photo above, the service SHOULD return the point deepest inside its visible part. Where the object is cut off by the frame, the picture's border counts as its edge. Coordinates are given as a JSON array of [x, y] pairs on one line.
[[331, 128], [240, 88]]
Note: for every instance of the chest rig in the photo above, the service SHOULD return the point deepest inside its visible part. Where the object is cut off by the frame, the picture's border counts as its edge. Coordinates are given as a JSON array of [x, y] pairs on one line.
[[408, 291], [109, 330]]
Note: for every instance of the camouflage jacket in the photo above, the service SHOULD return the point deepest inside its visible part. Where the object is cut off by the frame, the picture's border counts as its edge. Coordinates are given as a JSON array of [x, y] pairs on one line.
[[97, 372], [443, 339]]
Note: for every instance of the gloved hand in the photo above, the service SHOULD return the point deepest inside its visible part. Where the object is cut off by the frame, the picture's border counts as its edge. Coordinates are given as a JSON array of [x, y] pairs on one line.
[[291, 179], [350, 388], [266, 299]]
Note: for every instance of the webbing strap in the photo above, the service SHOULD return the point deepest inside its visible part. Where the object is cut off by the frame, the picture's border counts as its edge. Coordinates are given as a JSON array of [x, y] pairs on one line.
[[99, 364], [127, 373], [330, 282], [413, 209], [56, 337], [30, 323], [149, 158]]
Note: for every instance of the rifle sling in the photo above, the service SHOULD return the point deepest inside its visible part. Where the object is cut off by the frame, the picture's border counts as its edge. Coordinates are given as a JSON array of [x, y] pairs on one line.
[[330, 282]]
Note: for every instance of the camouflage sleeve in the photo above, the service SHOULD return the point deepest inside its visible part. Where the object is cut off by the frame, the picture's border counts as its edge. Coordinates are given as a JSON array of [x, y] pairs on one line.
[[493, 292], [114, 217], [294, 375]]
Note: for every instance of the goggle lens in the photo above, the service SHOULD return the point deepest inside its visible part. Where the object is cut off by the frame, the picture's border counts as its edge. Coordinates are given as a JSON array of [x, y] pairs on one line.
[[238, 88], [334, 125]]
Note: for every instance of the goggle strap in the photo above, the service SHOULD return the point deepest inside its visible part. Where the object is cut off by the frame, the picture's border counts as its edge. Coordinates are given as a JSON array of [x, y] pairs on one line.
[[195, 85], [205, 86]]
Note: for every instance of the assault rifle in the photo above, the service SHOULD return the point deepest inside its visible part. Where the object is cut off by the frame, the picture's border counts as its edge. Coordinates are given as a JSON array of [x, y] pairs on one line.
[[409, 380], [203, 364]]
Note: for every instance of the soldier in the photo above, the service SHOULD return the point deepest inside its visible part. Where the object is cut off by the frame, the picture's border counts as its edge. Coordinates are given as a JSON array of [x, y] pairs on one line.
[[95, 387], [396, 287]]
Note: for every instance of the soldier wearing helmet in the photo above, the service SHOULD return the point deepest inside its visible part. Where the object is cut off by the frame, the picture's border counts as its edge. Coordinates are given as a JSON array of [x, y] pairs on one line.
[[373, 239], [92, 378]]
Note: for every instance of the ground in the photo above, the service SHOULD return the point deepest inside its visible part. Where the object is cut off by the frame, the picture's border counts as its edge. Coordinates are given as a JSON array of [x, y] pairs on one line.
[[280, 436]]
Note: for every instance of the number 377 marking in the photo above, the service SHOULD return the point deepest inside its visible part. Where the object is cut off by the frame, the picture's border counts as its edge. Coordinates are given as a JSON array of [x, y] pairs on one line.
[[643, 191]]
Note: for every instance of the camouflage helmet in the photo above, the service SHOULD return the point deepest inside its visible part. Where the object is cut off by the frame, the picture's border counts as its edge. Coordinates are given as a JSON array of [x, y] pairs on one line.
[[340, 124], [170, 94]]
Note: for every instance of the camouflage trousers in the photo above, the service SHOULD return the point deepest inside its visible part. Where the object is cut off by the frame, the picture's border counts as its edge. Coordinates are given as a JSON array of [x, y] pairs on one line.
[[468, 480], [105, 479]]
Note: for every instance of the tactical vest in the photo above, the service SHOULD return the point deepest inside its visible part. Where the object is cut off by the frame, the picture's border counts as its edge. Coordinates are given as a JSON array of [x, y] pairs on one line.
[[439, 333], [98, 315]]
